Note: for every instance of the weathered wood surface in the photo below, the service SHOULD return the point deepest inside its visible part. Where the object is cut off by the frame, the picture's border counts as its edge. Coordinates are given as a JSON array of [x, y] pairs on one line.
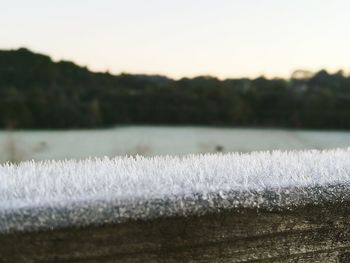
[[307, 234]]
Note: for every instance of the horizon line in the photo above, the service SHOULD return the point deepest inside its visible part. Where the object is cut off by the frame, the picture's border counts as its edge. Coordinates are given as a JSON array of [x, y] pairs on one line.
[[311, 72]]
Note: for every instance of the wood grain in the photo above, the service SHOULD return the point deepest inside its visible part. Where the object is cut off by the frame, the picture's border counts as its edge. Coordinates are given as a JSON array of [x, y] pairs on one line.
[[319, 233]]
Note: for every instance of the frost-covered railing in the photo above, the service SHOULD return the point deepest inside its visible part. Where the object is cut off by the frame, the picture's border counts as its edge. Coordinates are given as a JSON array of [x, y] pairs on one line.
[[278, 206]]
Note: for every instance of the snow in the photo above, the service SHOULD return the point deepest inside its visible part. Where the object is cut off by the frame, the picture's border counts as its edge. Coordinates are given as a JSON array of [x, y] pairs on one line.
[[54, 193]]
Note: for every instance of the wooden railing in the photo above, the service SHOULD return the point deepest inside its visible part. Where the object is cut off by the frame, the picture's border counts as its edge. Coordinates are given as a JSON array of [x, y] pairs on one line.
[[311, 233]]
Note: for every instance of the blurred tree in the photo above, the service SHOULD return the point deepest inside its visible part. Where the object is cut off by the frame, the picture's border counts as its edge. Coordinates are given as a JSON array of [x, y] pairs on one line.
[[37, 93]]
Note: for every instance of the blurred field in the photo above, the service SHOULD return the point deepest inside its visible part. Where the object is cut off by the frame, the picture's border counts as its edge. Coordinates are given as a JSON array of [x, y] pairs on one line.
[[149, 141]]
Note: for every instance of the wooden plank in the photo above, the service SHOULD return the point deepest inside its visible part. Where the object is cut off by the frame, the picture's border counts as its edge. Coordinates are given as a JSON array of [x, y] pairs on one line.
[[317, 233]]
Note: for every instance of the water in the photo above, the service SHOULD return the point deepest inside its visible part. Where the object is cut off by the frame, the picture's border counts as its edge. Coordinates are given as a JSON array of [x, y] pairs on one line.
[[150, 141]]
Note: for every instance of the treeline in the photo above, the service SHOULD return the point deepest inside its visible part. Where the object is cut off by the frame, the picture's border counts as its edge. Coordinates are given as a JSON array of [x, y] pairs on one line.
[[37, 93]]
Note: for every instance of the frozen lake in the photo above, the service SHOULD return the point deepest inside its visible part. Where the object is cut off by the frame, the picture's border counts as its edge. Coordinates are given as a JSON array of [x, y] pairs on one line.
[[149, 141]]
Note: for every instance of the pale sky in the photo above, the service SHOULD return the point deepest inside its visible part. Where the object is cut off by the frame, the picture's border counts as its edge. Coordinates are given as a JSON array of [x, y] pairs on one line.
[[224, 38]]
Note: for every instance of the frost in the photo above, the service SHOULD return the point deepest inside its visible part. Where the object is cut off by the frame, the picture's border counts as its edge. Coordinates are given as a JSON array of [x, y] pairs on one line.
[[187, 184]]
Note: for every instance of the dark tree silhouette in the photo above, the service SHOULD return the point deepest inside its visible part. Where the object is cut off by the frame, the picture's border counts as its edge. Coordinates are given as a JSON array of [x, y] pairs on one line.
[[37, 93]]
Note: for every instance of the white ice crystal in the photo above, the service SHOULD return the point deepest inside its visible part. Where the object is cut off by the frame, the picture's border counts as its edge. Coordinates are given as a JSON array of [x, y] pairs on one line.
[[38, 184]]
